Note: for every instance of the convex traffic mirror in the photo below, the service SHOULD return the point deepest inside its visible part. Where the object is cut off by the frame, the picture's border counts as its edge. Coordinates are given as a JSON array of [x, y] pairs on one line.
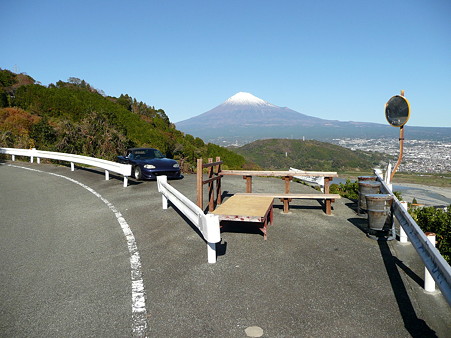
[[397, 111]]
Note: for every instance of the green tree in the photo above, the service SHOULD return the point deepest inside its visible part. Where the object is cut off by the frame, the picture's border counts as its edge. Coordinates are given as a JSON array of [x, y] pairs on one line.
[[7, 78]]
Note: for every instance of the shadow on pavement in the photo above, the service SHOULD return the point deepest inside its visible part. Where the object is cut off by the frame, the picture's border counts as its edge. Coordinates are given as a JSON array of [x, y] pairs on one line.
[[352, 205], [417, 279], [416, 326], [360, 223], [241, 227]]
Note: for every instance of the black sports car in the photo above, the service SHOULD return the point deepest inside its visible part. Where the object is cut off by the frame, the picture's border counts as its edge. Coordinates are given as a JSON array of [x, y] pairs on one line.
[[148, 163]]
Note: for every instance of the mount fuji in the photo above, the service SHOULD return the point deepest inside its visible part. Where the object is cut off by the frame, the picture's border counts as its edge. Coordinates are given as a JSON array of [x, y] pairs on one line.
[[245, 118], [246, 110]]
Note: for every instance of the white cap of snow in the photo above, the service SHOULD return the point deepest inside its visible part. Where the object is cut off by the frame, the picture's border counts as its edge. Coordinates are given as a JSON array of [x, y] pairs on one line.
[[246, 98]]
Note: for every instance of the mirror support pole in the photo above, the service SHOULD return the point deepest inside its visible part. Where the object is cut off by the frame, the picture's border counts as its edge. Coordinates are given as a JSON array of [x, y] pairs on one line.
[[401, 147]]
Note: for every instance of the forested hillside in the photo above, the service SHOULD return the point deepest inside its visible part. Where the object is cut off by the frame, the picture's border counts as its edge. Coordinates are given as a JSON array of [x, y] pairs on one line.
[[308, 155], [74, 117]]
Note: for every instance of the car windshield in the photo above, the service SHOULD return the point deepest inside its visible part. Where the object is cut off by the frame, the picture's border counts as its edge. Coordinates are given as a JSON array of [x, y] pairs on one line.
[[147, 154]]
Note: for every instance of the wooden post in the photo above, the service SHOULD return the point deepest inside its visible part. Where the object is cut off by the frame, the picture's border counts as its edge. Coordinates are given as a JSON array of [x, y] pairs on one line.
[[287, 183], [199, 185], [327, 203], [211, 195], [248, 183], [218, 183], [286, 201]]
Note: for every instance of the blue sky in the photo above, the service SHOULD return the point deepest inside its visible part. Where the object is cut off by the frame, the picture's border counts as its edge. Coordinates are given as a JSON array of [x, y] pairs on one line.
[[339, 60]]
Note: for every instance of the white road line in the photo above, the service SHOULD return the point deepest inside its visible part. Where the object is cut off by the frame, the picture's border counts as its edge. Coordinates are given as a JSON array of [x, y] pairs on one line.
[[139, 311]]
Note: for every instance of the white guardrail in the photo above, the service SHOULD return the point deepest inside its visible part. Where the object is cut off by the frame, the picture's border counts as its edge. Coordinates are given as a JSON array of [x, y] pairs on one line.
[[434, 262], [122, 169], [208, 224]]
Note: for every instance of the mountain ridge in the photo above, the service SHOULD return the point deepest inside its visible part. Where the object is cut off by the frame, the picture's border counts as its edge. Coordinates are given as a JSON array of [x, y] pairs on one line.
[[239, 119]]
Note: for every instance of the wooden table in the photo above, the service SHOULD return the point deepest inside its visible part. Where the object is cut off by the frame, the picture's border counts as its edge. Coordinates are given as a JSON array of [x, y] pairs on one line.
[[244, 208]]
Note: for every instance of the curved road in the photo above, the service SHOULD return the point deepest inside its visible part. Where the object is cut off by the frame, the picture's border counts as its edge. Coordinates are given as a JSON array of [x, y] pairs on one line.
[[65, 264]]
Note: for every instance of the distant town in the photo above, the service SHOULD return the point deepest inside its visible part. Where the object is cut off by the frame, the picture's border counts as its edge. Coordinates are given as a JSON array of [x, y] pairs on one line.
[[419, 156]]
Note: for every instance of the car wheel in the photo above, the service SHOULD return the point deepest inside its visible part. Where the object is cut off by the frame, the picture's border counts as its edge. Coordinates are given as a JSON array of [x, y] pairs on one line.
[[137, 173]]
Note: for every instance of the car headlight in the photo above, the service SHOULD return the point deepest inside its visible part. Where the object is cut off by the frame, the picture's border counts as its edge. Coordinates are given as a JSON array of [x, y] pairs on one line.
[[149, 166], [176, 165]]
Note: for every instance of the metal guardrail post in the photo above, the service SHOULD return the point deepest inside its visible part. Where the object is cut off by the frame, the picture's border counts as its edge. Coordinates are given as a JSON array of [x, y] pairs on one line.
[[212, 222], [429, 284], [32, 155]]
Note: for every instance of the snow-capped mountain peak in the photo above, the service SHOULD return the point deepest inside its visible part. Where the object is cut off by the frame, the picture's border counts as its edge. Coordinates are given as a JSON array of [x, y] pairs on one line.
[[243, 98]]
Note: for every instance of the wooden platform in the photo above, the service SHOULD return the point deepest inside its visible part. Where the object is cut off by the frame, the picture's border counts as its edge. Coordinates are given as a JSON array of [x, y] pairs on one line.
[[286, 198], [247, 209]]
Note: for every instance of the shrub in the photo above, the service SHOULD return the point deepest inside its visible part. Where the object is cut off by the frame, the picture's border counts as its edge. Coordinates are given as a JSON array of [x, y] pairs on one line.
[[348, 190], [438, 221]]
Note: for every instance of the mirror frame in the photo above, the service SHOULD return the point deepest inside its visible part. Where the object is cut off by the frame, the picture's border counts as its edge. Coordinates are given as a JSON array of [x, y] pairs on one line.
[[408, 111]]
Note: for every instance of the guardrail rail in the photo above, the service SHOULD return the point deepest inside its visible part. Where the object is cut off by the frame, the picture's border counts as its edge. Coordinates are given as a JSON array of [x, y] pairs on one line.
[[208, 224], [122, 169], [434, 262]]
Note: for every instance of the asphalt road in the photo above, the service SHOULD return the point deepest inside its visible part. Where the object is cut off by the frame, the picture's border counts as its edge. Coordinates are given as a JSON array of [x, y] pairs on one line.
[[65, 266], [64, 262]]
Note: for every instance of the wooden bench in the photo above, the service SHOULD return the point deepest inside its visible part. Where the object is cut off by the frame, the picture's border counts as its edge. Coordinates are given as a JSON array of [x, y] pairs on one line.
[[286, 198], [246, 208], [287, 176]]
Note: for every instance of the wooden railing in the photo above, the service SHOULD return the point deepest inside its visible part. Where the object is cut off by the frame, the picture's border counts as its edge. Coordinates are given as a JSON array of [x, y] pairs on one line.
[[213, 176]]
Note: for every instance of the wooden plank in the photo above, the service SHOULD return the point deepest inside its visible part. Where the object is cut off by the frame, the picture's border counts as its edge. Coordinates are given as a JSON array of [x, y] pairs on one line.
[[211, 202], [212, 164], [278, 173], [216, 178], [218, 183], [316, 196], [199, 185], [242, 205]]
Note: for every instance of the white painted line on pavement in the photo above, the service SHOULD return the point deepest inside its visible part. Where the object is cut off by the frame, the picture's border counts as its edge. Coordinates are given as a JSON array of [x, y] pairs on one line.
[[139, 311]]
